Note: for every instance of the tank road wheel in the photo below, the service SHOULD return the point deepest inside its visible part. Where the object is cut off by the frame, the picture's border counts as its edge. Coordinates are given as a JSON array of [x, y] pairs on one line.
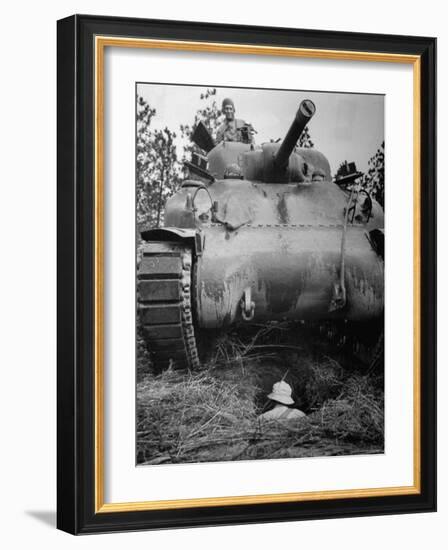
[[164, 303]]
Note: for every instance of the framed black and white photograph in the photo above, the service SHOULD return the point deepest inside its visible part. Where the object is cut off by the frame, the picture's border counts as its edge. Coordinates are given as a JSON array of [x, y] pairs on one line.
[[247, 323]]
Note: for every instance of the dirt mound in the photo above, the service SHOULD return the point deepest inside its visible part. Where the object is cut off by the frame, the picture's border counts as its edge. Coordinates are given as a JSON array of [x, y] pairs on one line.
[[212, 414]]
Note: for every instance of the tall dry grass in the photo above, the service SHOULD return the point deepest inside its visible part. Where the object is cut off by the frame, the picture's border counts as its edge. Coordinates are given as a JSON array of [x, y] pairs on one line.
[[212, 414]]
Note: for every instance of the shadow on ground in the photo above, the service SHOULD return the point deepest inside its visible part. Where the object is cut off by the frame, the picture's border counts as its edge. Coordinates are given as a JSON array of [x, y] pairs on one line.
[[48, 517]]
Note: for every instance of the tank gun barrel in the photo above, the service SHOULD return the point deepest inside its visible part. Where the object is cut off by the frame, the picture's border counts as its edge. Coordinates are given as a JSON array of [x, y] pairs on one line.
[[304, 114]]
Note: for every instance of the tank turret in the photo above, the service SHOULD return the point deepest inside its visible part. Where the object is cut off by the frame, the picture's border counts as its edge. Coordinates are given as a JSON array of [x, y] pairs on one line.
[[283, 162]]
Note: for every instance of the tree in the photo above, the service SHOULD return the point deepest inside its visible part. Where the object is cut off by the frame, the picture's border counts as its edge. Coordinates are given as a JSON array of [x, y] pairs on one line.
[[373, 180], [209, 114], [305, 139], [158, 170]]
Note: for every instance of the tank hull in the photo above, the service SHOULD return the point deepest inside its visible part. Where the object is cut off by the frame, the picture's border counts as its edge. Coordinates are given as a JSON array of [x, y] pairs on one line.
[[243, 202], [289, 272]]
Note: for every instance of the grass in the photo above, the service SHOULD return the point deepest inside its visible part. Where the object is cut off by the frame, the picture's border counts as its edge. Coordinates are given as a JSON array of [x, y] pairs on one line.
[[212, 414]]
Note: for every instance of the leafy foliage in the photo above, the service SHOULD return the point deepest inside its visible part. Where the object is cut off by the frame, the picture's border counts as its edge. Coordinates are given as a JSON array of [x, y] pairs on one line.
[[209, 115], [373, 181], [305, 139], [158, 168]]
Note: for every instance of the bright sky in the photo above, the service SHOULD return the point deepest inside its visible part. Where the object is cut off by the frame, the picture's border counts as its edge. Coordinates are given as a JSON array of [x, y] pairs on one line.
[[345, 127]]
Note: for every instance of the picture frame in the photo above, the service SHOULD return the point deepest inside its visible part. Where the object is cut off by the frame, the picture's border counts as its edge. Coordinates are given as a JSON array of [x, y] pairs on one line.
[[82, 43]]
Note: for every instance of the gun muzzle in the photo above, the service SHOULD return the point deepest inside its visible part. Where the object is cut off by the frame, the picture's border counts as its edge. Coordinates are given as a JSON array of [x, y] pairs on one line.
[[304, 114]]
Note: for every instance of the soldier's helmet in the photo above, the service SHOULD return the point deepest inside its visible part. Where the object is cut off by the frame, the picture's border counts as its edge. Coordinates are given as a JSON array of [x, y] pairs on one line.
[[227, 101], [282, 393]]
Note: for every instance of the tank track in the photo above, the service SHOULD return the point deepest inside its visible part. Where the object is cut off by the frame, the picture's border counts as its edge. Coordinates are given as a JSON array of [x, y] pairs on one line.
[[164, 279]]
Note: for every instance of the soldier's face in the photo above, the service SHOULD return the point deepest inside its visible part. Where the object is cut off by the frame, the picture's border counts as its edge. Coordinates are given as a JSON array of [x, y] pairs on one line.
[[229, 112]]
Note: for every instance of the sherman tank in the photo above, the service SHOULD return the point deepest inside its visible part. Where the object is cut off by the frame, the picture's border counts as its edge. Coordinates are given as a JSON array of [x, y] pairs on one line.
[[258, 234]]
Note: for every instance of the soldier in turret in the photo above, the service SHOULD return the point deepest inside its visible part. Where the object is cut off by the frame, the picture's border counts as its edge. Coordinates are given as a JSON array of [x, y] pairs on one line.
[[233, 129]]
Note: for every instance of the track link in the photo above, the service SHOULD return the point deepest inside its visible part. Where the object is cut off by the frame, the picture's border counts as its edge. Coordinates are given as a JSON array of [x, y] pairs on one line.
[[164, 304]]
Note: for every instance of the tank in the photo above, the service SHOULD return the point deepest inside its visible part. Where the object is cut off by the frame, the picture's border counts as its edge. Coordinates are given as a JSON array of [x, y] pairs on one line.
[[258, 234]]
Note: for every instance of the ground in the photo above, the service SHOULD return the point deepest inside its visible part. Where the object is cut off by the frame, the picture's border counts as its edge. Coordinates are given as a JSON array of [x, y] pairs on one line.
[[211, 414]]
